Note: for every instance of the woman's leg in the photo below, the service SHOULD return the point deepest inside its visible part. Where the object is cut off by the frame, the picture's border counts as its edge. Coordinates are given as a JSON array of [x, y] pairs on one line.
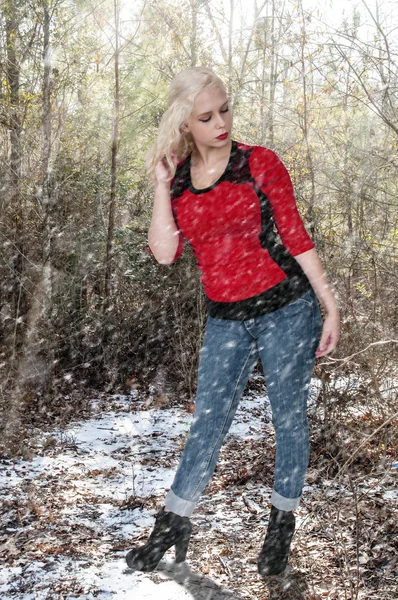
[[287, 350], [287, 345], [227, 358]]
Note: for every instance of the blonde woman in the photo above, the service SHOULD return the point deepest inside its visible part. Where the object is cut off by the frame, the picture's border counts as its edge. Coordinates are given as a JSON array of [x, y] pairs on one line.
[[228, 199]]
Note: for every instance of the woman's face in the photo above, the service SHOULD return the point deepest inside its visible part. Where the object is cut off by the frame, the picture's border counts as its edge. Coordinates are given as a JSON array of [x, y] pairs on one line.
[[210, 119]]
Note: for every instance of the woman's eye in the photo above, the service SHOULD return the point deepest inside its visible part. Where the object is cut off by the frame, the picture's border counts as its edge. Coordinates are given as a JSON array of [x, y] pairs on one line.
[[208, 118]]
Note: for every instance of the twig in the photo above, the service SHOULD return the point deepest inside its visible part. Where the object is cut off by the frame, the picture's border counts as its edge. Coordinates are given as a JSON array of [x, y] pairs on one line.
[[369, 437], [347, 358], [252, 506], [357, 542], [226, 567]]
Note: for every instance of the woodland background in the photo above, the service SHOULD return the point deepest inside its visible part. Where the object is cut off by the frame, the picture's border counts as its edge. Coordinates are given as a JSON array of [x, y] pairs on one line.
[[87, 313], [83, 84]]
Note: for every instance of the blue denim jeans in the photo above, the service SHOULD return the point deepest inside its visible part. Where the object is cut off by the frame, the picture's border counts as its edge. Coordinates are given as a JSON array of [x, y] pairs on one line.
[[285, 340]]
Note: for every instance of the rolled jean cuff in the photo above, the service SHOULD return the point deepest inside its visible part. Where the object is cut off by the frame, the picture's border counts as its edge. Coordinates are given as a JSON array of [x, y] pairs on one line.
[[178, 505], [282, 503]]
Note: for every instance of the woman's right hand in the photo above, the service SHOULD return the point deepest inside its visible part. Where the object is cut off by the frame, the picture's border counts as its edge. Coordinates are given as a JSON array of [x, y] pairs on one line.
[[162, 171]]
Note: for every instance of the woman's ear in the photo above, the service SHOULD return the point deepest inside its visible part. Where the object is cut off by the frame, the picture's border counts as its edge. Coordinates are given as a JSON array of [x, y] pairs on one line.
[[184, 128]]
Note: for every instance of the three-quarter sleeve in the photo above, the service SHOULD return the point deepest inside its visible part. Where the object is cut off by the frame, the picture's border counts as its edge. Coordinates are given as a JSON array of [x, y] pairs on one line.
[[180, 246], [272, 178]]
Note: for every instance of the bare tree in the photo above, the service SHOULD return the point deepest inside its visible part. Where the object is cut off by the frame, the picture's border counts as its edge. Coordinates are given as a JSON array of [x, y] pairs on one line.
[[304, 117], [194, 32], [114, 157], [373, 66], [35, 366], [13, 203]]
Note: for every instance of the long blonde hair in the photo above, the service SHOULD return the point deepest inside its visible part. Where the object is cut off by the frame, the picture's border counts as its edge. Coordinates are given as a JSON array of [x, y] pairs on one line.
[[171, 139]]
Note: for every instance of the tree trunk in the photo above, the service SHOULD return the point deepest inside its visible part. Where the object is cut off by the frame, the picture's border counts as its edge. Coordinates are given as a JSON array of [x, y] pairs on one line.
[[305, 127], [272, 80], [14, 198], [230, 36], [34, 371], [257, 12], [114, 156], [193, 40], [46, 193], [36, 361]]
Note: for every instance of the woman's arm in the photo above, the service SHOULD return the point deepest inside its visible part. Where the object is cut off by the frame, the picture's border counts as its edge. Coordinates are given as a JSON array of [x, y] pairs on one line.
[[310, 263], [163, 235]]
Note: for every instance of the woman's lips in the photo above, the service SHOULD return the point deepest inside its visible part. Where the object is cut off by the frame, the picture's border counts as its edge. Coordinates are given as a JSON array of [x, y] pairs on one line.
[[223, 136]]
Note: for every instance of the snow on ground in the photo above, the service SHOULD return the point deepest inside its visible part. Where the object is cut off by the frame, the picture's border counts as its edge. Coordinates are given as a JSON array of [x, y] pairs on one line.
[[70, 514], [107, 459]]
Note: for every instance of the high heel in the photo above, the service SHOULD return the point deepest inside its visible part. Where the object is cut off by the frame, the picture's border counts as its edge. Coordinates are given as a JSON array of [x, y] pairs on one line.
[[181, 547], [275, 551], [169, 530]]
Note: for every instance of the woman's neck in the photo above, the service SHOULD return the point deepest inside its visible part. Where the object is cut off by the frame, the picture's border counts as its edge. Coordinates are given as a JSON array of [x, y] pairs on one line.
[[206, 156]]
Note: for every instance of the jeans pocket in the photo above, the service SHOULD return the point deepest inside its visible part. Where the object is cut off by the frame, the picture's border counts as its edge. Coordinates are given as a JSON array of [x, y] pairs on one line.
[[307, 299]]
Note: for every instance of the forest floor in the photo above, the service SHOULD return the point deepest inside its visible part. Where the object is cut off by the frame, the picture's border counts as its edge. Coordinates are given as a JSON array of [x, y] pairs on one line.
[[90, 491]]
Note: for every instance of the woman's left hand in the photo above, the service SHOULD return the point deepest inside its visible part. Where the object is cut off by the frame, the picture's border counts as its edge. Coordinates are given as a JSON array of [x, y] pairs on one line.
[[330, 335]]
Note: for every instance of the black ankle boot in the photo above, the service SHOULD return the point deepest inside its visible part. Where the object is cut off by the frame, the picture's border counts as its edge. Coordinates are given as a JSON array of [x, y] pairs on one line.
[[275, 551], [170, 530]]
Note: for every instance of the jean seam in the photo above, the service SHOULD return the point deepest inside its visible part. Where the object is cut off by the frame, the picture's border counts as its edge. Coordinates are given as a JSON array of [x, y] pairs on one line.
[[225, 323], [226, 417], [281, 398], [302, 300]]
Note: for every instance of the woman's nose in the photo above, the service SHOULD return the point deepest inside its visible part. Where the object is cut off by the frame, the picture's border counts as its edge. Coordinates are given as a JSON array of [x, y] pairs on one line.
[[220, 121]]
